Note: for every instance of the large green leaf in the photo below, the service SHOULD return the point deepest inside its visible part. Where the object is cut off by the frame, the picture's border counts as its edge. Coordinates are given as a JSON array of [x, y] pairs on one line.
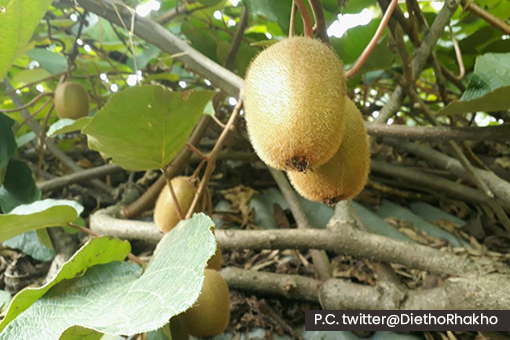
[[30, 244], [488, 89], [18, 20], [275, 11], [492, 71], [98, 250], [19, 186], [144, 127], [7, 143], [493, 101], [117, 295], [37, 215]]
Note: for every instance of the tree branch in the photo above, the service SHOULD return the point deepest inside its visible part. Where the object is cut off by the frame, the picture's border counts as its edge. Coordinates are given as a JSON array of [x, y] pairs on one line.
[[350, 242], [487, 292]]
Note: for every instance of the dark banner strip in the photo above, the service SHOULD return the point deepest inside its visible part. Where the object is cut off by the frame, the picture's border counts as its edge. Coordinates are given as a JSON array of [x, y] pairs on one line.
[[412, 320]]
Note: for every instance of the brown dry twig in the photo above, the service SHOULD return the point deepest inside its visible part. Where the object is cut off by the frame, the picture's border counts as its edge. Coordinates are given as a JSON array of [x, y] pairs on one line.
[[211, 158]]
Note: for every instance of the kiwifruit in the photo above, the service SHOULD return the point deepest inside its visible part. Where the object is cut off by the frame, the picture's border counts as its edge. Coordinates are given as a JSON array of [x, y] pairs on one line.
[[345, 175], [165, 214], [211, 313], [216, 261], [294, 100], [71, 100], [177, 329]]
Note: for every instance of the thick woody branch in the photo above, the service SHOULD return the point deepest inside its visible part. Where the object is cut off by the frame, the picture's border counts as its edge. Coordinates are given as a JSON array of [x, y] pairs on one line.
[[350, 242], [498, 186], [486, 292], [437, 133], [420, 58], [160, 37]]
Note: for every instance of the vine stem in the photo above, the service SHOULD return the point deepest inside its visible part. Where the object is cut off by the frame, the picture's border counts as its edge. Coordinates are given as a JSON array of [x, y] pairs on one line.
[[292, 21], [211, 160], [305, 15], [30, 103], [361, 60]]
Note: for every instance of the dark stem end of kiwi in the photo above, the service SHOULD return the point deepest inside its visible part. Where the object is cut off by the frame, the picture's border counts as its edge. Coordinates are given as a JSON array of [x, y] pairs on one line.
[[297, 163], [331, 201]]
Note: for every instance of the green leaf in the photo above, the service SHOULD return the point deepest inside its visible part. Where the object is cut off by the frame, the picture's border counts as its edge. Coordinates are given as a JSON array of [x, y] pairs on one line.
[[7, 143], [19, 186], [142, 59], [30, 76], [494, 101], [18, 20], [52, 62], [275, 11], [66, 125], [117, 295], [492, 71], [99, 250], [488, 89], [144, 127], [40, 214], [29, 244]]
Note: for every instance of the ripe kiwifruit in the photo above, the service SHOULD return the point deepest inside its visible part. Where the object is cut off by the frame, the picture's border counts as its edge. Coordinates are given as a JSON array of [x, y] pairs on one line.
[[216, 261], [211, 313], [71, 100], [345, 175], [165, 214], [294, 99]]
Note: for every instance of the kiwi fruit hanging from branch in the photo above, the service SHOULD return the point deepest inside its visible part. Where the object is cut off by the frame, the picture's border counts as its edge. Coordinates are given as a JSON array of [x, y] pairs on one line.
[[295, 95], [71, 100], [211, 313], [345, 175], [166, 216]]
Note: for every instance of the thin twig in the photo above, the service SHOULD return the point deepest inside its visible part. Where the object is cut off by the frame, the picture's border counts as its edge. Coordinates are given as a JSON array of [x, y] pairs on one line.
[[491, 19], [320, 28], [361, 60], [305, 16], [458, 54], [27, 105], [292, 20], [168, 178], [211, 161]]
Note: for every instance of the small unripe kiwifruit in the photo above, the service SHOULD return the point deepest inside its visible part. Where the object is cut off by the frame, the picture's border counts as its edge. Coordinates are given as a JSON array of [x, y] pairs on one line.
[[165, 214], [71, 100], [211, 313], [345, 175], [294, 100]]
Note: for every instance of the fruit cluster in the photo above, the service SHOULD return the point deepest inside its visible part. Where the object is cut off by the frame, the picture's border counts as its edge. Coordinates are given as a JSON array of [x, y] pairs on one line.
[[211, 313], [300, 120]]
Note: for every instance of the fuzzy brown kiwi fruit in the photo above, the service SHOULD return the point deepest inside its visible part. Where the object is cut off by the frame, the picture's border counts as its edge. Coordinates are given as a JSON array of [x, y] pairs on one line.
[[211, 313], [216, 261], [294, 100], [345, 175], [165, 214], [71, 100]]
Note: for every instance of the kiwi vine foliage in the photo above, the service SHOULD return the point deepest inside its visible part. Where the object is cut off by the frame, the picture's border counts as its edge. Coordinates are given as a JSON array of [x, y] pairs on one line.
[[53, 39]]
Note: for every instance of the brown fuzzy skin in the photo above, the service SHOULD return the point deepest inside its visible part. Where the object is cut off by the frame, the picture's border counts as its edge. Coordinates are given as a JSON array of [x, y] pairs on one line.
[[211, 313], [216, 261], [165, 214], [346, 174], [294, 98], [71, 100]]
